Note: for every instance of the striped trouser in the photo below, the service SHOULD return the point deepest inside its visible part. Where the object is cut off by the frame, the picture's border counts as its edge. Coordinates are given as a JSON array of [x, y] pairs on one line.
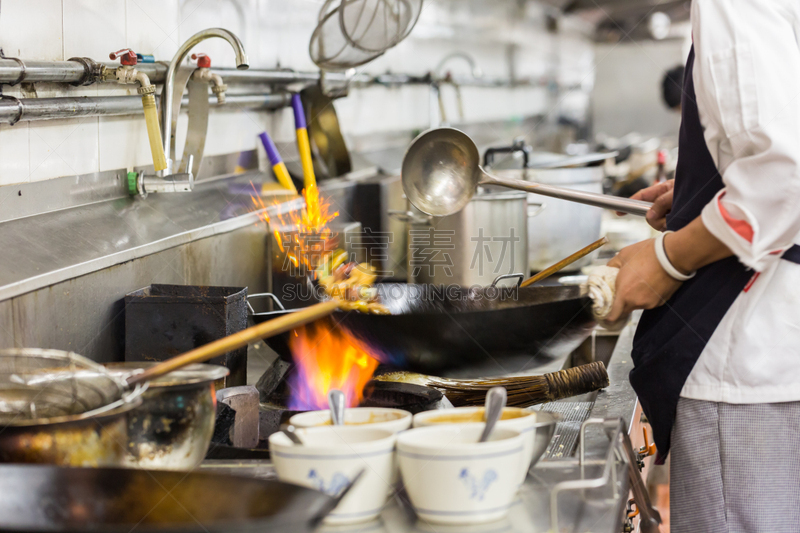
[[735, 468]]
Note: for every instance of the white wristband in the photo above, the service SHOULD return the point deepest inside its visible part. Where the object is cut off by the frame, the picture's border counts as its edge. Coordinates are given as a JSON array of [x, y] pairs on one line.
[[664, 261]]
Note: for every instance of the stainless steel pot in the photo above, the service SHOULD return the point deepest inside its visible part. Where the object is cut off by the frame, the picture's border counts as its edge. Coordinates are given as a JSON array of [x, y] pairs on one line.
[[60, 408], [68, 441], [556, 228], [488, 238], [172, 428]]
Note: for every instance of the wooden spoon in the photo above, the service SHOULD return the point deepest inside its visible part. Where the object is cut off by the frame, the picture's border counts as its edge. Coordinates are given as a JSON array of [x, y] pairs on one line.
[[552, 269], [222, 346]]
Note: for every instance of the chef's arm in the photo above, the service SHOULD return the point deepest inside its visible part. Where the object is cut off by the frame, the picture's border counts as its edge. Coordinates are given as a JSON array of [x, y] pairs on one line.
[[747, 74], [693, 247]]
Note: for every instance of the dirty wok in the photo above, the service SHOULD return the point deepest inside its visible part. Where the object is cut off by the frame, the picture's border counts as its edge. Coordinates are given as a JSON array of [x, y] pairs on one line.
[[435, 328]]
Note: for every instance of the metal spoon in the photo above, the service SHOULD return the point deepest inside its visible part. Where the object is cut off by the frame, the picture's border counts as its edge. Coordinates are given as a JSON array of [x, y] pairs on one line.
[[442, 171], [290, 431], [336, 405], [495, 403]]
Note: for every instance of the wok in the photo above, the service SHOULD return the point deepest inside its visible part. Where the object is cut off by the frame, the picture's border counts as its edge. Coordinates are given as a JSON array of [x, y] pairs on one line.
[[434, 328], [55, 499]]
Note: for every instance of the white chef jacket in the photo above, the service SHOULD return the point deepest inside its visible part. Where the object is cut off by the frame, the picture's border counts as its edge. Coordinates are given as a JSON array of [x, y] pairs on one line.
[[747, 82]]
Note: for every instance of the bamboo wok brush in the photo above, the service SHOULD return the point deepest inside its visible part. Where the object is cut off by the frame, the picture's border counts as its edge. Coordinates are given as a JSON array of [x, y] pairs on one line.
[[522, 390]]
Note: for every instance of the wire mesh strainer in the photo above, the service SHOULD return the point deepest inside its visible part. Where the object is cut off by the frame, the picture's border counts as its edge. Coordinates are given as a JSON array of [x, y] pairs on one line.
[[377, 25], [351, 33], [38, 385]]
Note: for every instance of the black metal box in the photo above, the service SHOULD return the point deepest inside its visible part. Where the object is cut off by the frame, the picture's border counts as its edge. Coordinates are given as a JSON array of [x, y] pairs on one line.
[[162, 321]]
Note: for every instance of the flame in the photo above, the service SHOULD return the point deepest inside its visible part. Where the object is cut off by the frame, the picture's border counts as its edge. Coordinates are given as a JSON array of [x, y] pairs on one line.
[[312, 241], [326, 358]]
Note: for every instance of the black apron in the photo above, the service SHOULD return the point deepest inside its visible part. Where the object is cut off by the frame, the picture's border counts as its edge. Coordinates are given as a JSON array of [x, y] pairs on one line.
[[670, 338]]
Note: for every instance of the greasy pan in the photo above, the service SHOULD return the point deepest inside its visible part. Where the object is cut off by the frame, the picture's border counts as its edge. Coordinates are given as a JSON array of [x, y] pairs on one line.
[[433, 328], [43, 498]]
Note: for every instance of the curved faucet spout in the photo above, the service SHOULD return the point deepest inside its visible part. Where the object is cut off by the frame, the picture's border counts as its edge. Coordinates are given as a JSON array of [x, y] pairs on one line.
[[473, 65], [167, 97]]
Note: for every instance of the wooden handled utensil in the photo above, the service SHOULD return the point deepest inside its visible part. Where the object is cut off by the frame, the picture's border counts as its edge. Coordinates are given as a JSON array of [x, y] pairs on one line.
[[552, 269], [237, 340]]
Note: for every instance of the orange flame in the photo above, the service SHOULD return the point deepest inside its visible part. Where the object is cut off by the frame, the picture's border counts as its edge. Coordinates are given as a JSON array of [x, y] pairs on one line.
[[327, 358], [309, 240]]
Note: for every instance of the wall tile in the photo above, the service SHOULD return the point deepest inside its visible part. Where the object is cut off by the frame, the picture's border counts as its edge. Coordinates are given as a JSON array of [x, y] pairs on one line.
[[238, 16], [152, 27], [63, 148], [274, 32], [93, 28], [14, 150], [123, 143], [32, 29], [233, 131]]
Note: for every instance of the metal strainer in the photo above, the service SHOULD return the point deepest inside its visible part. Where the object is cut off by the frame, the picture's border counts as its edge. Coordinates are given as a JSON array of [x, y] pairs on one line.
[[38, 384], [351, 33]]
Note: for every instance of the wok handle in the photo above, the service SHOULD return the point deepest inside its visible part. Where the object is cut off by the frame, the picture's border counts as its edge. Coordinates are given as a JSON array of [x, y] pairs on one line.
[[552, 269], [222, 346], [623, 205]]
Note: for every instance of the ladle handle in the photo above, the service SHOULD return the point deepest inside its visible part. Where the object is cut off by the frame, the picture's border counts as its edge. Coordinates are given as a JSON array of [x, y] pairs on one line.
[[623, 205], [237, 340]]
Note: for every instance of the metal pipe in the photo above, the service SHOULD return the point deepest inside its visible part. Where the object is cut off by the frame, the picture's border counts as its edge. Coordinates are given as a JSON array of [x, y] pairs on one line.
[[177, 60], [75, 72], [34, 109], [51, 71]]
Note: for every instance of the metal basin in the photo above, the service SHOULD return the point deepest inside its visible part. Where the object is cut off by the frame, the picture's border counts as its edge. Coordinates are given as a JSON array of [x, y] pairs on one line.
[[69, 440], [60, 408], [172, 428]]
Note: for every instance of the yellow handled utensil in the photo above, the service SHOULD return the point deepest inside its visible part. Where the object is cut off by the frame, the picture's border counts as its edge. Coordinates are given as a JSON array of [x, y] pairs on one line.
[[303, 144], [278, 166]]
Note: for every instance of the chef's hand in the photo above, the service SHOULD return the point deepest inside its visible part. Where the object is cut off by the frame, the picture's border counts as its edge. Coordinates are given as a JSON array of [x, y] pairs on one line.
[[641, 282], [661, 196]]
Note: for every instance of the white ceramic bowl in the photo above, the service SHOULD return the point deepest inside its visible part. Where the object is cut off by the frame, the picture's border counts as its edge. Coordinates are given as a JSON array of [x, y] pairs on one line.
[[524, 421], [451, 478], [394, 420], [331, 457]]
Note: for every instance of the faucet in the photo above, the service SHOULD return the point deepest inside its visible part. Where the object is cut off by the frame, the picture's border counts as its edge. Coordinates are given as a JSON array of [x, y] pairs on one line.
[[126, 73], [473, 65], [437, 119], [167, 96], [168, 180]]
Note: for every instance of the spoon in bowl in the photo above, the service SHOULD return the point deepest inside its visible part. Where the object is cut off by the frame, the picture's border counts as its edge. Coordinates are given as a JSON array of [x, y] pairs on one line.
[[290, 431], [336, 405], [495, 403]]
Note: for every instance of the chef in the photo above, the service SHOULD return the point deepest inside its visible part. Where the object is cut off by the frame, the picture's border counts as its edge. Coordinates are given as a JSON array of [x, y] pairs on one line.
[[717, 353]]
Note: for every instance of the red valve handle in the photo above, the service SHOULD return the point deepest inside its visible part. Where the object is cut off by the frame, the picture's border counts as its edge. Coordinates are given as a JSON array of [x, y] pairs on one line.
[[203, 61], [126, 56]]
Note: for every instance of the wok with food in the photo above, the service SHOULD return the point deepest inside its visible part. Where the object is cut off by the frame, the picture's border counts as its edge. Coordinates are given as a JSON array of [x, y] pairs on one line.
[[433, 328]]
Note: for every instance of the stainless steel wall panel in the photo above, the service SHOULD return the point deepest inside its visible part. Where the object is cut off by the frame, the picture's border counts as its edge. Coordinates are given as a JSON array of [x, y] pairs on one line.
[[86, 314], [6, 325]]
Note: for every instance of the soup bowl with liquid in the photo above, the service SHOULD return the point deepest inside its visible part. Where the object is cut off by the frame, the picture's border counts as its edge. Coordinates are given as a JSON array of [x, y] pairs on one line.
[[521, 420], [394, 420]]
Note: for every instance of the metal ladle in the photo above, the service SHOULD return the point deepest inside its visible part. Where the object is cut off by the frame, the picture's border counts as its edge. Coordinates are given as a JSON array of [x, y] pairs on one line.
[[442, 171]]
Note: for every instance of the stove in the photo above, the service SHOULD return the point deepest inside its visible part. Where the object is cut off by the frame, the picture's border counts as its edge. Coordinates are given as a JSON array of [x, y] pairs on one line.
[[273, 389]]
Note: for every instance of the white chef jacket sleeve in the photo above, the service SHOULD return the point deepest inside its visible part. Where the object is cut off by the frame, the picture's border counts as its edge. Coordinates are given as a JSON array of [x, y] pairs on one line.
[[747, 83]]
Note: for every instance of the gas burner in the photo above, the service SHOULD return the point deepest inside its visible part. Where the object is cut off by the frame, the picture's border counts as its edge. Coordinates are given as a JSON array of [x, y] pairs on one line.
[[274, 396]]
